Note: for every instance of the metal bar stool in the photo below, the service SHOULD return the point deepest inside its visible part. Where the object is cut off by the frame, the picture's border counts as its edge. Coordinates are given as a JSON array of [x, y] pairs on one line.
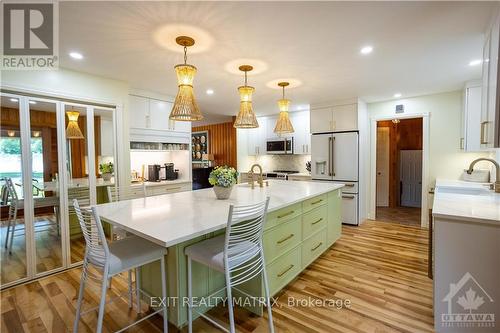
[[238, 254], [120, 256]]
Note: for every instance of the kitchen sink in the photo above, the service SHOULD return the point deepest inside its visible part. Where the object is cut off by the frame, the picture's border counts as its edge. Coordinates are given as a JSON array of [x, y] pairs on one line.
[[463, 190]]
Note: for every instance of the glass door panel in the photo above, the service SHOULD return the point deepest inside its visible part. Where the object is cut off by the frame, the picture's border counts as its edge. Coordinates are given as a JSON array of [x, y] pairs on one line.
[[77, 181], [104, 142], [13, 261], [45, 185]]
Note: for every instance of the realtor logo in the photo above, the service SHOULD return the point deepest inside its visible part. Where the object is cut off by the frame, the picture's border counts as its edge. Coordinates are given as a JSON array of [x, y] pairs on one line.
[[29, 36], [468, 303]]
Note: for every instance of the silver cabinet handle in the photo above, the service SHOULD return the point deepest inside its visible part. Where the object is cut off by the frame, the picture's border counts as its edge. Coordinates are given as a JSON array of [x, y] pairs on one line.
[[350, 197], [349, 185]]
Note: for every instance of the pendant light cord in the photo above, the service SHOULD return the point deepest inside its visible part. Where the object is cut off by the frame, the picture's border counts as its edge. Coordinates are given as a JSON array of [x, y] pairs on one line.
[[245, 78], [185, 54], [283, 92]]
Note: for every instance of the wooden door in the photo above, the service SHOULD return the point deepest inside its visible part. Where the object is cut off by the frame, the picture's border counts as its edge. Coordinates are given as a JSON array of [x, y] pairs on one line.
[[383, 166]]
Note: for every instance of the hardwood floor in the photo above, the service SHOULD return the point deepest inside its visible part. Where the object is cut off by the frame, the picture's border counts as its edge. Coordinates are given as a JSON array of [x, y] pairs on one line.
[[401, 215], [381, 268]]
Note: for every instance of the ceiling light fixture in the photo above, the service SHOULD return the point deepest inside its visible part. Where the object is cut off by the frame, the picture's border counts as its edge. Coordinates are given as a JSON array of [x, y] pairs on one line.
[[76, 55], [366, 49], [73, 130], [396, 121], [283, 125], [246, 117], [185, 105], [36, 134], [475, 62], [11, 133], [397, 95], [210, 92]]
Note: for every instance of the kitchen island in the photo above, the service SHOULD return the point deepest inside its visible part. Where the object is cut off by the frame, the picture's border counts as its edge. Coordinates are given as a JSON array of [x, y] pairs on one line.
[[303, 221]]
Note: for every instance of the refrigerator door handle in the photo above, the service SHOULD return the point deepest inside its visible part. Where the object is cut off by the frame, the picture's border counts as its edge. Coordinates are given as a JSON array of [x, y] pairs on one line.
[[330, 149], [333, 160]]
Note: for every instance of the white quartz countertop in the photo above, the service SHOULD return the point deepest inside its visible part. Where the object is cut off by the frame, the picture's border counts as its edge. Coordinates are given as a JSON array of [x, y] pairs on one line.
[[301, 174], [177, 217], [466, 202], [163, 182]]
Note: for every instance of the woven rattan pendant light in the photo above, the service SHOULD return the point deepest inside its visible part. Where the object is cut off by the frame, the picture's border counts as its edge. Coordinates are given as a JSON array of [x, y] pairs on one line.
[[283, 125], [185, 106], [246, 117], [73, 130]]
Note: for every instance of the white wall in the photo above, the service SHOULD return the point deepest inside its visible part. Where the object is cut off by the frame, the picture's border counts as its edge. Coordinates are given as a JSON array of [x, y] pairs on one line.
[[68, 84], [446, 160]]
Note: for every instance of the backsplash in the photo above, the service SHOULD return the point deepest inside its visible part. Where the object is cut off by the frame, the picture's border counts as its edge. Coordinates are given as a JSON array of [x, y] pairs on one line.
[[281, 162]]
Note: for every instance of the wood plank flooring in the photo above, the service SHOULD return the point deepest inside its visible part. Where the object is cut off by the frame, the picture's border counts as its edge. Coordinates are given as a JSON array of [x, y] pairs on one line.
[[401, 215], [379, 267]]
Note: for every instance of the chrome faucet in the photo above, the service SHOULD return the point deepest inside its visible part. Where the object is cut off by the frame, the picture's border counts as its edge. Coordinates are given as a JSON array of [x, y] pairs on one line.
[[260, 180], [497, 167]]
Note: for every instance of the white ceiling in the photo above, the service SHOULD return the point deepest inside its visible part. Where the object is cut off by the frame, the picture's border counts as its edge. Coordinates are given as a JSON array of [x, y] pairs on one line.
[[419, 47]]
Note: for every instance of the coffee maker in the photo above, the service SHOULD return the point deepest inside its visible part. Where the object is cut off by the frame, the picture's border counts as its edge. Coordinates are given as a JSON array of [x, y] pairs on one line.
[[170, 172], [154, 173]]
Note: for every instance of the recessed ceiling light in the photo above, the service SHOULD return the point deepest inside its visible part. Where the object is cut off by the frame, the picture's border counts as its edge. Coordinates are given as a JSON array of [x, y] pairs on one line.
[[475, 62], [13, 100], [366, 49], [210, 92], [397, 95], [76, 55], [32, 102]]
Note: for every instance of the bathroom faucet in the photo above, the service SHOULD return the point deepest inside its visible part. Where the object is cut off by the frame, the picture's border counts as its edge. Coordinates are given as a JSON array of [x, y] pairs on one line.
[[497, 167]]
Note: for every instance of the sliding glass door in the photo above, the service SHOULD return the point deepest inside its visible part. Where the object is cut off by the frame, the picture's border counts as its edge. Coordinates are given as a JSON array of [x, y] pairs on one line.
[[50, 154]]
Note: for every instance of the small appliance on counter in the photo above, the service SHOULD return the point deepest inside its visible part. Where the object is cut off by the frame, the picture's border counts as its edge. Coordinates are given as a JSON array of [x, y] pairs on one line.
[[154, 173], [170, 172]]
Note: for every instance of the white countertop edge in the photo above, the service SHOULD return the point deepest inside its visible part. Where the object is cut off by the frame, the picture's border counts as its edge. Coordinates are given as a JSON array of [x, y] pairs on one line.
[[335, 186], [163, 182], [465, 219]]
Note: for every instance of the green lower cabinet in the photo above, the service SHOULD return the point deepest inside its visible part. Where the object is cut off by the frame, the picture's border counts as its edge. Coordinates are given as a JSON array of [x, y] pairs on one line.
[[293, 238], [334, 228]]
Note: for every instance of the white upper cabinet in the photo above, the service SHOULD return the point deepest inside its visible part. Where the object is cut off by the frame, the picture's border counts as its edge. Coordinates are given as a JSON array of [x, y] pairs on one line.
[[488, 128], [257, 138], [139, 111], [302, 136], [159, 111], [471, 118], [150, 113], [334, 119], [321, 120]]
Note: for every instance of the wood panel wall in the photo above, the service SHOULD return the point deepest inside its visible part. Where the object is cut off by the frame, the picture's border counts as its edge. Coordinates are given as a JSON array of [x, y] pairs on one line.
[[222, 142], [405, 135]]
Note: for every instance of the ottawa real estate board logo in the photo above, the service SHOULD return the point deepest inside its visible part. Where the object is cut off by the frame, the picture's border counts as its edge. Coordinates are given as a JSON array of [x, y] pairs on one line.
[[468, 305], [30, 36]]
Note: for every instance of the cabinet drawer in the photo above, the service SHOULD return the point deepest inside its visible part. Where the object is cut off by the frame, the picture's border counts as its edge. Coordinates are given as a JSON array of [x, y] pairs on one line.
[[168, 188], [283, 215], [314, 220], [312, 203], [313, 247], [281, 239], [282, 271]]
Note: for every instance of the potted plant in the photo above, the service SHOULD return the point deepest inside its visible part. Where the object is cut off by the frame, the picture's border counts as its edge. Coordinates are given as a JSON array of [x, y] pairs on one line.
[[106, 170], [223, 179]]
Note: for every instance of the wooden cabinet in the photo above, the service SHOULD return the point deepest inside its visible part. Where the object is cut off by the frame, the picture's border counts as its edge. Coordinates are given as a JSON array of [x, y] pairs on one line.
[[470, 139], [489, 129], [257, 138], [334, 118]]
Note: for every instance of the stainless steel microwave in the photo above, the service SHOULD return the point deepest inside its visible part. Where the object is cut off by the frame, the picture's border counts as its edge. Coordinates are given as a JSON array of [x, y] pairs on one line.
[[280, 146]]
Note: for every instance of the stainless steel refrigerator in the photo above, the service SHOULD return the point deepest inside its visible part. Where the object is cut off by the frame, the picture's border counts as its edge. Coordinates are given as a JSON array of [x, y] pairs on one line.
[[335, 157]]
